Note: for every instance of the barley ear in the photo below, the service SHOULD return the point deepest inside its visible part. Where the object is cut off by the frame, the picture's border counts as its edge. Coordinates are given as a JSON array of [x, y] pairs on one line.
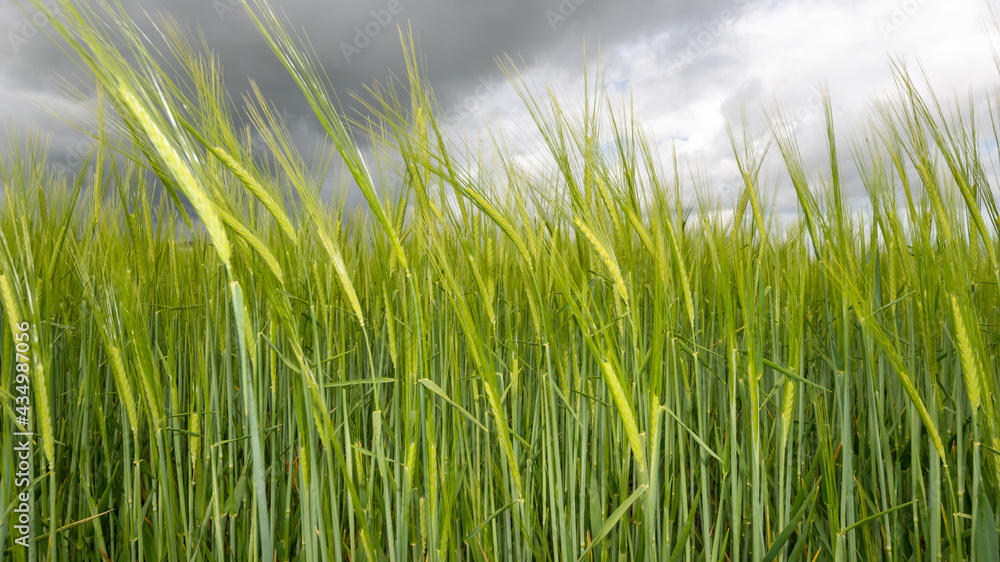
[[969, 368], [11, 310], [181, 172]]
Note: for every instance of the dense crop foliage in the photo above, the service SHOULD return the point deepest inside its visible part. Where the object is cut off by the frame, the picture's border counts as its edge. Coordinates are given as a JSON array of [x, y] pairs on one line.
[[491, 362]]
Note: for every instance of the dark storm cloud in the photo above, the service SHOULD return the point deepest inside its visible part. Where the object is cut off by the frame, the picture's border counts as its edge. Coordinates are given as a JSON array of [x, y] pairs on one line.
[[357, 42]]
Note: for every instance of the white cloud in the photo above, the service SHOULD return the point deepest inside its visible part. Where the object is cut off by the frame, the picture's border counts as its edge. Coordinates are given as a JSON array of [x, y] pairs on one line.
[[680, 79]]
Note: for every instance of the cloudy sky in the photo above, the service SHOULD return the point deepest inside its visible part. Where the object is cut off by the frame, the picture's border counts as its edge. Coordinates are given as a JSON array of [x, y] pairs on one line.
[[682, 63]]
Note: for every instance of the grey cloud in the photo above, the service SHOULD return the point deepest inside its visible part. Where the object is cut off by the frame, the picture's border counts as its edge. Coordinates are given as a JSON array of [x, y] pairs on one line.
[[459, 40], [358, 42]]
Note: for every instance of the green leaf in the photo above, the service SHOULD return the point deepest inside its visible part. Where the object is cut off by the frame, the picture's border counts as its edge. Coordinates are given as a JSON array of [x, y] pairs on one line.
[[613, 520], [786, 533], [433, 387], [683, 536], [987, 546]]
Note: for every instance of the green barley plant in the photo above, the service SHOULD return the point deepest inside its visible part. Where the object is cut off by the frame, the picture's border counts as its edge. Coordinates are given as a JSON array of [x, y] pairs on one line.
[[573, 361]]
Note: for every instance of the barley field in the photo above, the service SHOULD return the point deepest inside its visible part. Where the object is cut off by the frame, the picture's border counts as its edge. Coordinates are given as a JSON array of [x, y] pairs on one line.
[[587, 359]]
